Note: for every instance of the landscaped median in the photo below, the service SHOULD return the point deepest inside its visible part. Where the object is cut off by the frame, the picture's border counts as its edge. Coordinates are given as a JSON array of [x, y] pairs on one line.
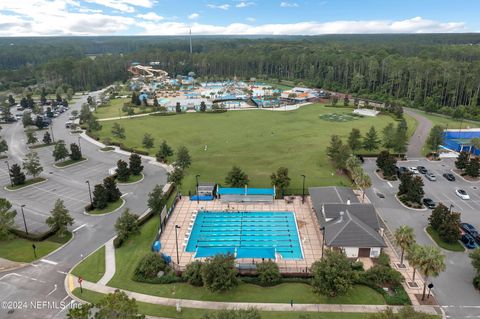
[[91, 268], [133, 179], [111, 207], [69, 162], [456, 246], [28, 182], [21, 250], [195, 313]]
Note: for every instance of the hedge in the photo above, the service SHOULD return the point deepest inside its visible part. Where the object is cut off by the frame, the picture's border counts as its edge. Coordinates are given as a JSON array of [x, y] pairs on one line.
[[256, 281], [33, 236], [163, 114]]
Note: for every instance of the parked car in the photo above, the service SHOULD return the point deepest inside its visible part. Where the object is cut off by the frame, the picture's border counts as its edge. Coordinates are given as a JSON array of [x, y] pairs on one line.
[[401, 170], [422, 169], [429, 203], [112, 171], [471, 230], [430, 176], [462, 194], [449, 177], [414, 170], [468, 241]]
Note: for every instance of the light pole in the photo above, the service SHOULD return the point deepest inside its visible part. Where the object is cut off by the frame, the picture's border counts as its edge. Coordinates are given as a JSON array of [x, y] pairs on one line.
[[323, 239], [303, 189], [51, 130], [451, 206], [196, 178], [90, 193], [24, 221], [9, 175], [79, 146], [176, 244]]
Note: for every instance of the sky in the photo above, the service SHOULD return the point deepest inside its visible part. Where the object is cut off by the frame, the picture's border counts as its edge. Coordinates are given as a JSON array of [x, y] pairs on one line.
[[235, 17]]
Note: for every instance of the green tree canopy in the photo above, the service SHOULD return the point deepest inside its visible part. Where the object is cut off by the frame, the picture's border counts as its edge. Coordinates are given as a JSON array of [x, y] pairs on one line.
[[219, 273], [31, 164], [333, 275], [127, 225], [7, 218], [236, 178], [60, 218]]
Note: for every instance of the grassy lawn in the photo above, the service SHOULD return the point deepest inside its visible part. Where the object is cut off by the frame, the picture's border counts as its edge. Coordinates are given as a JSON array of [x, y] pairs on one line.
[[192, 313], [110, 208], [439, 119], [69, 162], [114, 109], [257, 141], [135, 248], [92, 268], [452, 247], [20, 250], [132, 179], [27, 183]]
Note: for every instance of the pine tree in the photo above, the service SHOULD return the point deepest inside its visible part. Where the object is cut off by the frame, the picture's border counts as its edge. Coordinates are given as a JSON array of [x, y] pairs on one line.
[[354, 140], [371, 141], [178, 108], [183, 158], [123, 172], [435, 139], [3, 146], [164, 152], [60, 218], [31, 137], [135, 164], [118, 131], [236, 178], [332, 149], [46, 138], [75, 153], [203, 106], [60, 151], [473, 167], [148, 140], [18, 177], [389, 136], [100, 197], [110, 185], [176, 176], [462, 160]]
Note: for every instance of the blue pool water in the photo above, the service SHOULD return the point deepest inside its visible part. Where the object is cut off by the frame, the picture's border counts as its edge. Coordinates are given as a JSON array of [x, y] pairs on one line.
[[245, 234]]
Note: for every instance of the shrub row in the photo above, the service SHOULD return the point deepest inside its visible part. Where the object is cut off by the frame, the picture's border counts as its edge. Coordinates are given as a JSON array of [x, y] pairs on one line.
[[163, 114], [33, 236], [255, 280]]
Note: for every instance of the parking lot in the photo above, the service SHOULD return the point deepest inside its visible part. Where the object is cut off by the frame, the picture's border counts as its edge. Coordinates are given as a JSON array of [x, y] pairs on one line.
[[453, 288]]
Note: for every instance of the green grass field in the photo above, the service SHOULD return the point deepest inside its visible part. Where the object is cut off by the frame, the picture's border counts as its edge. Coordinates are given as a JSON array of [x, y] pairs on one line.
[[257, 141], [193, 313], [114, 109], [447, 121], [92, 268], [135, 248], [20, 250], [456, 246]]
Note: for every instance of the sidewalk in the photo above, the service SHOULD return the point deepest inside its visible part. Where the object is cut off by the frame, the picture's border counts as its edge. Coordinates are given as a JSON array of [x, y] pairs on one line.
[[197, 304], [110, 266]]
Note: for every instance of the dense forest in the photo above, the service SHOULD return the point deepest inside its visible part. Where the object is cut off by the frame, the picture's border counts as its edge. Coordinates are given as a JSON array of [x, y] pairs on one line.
[[439, 72]]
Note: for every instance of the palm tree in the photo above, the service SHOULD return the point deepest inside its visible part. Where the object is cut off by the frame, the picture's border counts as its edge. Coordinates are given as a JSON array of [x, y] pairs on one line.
[[414, 256], [404, 237], [431, 263], [363, 181]]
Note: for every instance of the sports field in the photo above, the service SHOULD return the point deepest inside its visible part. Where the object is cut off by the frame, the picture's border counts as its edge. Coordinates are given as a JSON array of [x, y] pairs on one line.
[[257, 141]]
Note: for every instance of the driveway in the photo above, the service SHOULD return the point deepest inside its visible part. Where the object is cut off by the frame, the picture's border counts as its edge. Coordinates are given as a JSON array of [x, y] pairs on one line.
[[420, 136]]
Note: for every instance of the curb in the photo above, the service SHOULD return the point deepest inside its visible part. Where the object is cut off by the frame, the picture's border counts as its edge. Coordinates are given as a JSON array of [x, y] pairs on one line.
[[410, 208], [383, 179], [73, 164], [18, 189], [460, 176], [132, 183], [437, 245], [113, 211]]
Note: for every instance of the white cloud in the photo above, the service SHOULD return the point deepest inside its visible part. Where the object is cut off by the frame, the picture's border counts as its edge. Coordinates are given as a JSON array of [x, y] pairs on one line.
[[193, 16], [251, 19], [243, 4], [152, 16], [123, 5], [219, 6], [284, 4]]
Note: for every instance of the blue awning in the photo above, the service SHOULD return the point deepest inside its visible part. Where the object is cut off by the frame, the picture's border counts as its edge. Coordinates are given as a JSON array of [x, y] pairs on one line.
[[255, 252], [212, 251]]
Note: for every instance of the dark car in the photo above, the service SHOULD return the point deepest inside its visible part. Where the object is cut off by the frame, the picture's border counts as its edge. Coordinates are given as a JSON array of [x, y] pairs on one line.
[[468, 241], [449, 176], [401, 170], [422, 169], [471, 230], [429, 203]]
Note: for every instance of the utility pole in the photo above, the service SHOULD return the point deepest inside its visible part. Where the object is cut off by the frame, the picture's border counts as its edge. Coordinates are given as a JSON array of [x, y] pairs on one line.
[[191, 49]]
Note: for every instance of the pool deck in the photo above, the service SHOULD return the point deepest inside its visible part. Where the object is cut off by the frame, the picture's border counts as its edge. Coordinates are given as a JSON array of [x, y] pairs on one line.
[[310, 237]]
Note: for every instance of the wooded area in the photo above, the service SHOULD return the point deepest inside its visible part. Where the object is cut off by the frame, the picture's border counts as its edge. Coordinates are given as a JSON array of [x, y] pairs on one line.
[[434, 72]]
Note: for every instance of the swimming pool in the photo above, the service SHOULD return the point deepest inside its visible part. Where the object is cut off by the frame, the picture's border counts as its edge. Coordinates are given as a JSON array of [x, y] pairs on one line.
[[245, 234]]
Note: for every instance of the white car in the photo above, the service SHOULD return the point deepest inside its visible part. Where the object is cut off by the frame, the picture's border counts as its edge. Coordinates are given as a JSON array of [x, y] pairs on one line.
[[414, 170], [462, 194], [112, 171]]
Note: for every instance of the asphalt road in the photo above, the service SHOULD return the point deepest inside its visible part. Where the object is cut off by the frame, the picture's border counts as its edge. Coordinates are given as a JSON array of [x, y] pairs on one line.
[[453, 288], [418, 139], [34, 285]]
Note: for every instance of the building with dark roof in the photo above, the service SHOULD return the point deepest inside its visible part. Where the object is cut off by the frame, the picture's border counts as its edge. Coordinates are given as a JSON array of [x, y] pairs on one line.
[[347, 224]]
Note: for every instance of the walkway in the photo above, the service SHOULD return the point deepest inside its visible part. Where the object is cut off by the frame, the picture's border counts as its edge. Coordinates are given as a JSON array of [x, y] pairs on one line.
[[418, 139], [110, 266], [197, 304]]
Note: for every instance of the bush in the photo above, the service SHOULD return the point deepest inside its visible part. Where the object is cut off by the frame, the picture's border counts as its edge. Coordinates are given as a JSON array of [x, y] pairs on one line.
[[149, 266], [193, 273], [357, 266], [219, 273], [380, 275], [476, 282], [383, 259], [268, 273]]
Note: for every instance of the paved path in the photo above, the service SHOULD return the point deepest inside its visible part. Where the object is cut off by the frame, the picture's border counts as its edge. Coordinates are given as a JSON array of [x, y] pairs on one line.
[[420, 136], [172, 302], [110, 266]]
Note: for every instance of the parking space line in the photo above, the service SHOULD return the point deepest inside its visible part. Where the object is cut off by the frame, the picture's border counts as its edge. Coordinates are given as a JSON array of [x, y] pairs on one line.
[[49, 262]]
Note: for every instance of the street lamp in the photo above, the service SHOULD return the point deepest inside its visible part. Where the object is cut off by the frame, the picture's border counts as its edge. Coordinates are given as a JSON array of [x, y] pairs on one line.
[[51, 130], [196, 178], [90, 193], [24, 221], [303, 189], [79, 146], [451, 206], [9, 175], [323, 239], [176, 243]]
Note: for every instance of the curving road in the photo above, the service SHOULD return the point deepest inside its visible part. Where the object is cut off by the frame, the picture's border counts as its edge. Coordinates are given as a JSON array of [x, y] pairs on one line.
[[40, 285], [417, 141]]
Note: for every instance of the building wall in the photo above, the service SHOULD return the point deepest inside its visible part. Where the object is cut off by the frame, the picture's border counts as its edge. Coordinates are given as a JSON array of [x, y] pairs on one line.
[[351, 252], [375, 252]]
